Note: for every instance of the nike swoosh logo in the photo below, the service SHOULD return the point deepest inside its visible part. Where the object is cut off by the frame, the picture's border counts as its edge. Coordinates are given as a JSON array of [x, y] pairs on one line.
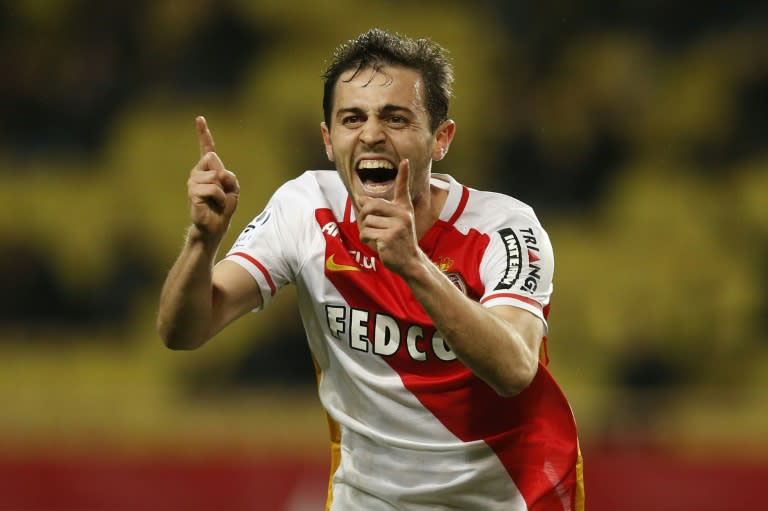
[[331, 265]]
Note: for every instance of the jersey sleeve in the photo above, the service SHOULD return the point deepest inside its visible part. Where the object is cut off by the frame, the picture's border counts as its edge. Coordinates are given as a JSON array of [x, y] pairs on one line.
[[267, 246], [518, 266]]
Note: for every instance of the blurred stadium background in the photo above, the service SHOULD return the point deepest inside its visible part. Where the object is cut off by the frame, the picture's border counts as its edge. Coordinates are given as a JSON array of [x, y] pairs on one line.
[[636, 129]]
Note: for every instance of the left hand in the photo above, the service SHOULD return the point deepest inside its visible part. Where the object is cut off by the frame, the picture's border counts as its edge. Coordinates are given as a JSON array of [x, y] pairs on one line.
[[390, 227]]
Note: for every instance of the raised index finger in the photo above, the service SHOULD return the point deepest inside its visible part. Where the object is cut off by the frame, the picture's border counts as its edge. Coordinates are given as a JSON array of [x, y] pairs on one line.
[[402, 190], [204, 136]]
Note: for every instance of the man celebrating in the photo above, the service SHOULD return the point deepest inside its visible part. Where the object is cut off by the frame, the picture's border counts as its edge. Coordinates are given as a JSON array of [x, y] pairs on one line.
[[424, 301]]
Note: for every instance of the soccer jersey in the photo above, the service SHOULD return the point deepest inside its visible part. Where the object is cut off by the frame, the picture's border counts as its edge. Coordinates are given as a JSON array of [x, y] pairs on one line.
[[412, 427]]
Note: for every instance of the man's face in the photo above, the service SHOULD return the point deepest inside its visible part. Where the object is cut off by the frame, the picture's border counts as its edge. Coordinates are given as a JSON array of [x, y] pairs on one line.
[[379, 118]]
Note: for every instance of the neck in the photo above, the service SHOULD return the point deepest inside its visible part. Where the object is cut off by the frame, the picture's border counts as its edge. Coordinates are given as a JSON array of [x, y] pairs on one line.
[[427, 208]]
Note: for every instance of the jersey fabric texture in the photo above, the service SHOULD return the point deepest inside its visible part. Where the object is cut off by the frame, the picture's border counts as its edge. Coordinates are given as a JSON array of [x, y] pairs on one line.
[[411, 427]]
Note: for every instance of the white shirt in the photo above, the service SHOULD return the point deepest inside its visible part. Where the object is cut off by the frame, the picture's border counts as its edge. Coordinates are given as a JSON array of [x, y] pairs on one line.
[[417, 429]]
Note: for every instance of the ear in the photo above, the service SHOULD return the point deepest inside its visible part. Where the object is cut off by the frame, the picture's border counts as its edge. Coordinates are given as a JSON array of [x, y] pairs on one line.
[[443, 137], [327, 140]]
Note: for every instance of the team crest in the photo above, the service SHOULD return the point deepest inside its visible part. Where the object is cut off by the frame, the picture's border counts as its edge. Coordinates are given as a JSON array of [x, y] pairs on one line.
[[458, 281], [445, 264]]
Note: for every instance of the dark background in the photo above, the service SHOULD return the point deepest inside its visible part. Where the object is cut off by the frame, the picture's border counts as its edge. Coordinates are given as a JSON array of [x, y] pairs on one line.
[[637, 131]]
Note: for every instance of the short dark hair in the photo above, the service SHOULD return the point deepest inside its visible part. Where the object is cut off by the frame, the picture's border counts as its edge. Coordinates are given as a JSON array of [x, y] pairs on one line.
[[377, 48]]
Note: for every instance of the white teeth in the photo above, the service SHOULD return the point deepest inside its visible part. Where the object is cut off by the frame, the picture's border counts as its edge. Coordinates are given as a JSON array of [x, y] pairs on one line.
[[375, 164]]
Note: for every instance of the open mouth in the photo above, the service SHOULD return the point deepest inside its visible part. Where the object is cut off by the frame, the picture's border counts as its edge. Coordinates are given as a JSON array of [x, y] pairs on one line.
[[376, 175]]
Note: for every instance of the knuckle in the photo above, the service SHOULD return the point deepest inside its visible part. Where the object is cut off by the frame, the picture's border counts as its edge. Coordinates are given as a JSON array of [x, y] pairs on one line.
[[210, 160]]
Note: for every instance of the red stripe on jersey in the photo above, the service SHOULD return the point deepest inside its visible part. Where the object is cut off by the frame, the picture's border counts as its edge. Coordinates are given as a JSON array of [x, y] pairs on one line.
[[461, 206], [261, 268], [348, 210], [533, 434], [529, 301]]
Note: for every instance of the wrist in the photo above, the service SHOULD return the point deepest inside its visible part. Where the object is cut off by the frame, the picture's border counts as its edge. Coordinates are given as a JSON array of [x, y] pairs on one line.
[[418, 271], [209, 241]]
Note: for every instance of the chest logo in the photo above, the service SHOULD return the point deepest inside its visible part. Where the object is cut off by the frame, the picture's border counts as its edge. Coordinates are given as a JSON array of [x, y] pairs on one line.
[[332, 265]]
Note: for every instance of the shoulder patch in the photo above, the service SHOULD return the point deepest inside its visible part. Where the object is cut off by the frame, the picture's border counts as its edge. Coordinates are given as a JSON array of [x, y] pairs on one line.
[[512, 273], [245, 236]]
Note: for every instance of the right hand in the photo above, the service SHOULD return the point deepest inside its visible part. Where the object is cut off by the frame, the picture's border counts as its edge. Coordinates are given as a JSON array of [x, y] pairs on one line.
[[213, 190]]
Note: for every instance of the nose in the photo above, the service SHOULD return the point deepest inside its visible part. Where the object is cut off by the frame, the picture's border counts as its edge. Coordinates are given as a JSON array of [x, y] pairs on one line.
[[372, 133]]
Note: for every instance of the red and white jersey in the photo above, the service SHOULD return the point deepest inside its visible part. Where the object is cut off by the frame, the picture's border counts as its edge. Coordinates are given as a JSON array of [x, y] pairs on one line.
[[412, 428]]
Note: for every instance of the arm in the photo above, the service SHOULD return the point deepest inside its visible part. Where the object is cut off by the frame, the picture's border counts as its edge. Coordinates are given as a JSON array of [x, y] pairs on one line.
[[196, 301], [500, 344]]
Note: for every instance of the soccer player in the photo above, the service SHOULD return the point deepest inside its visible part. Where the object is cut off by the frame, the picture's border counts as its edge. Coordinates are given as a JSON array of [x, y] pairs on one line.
[[424, 301]]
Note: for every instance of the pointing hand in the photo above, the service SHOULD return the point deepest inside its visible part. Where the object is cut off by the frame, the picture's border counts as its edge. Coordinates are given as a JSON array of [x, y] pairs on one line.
[[212, 189], [389, 226]]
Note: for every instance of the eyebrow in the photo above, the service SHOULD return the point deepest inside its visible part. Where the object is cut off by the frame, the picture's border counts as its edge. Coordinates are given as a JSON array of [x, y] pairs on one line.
[[387, 109]]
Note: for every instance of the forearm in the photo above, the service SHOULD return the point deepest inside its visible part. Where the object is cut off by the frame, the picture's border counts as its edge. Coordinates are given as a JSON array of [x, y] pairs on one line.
[[186, 300], [502, 353]]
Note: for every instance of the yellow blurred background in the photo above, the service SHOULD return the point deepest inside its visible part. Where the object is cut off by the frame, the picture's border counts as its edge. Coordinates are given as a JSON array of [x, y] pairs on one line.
[[637, 133]]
